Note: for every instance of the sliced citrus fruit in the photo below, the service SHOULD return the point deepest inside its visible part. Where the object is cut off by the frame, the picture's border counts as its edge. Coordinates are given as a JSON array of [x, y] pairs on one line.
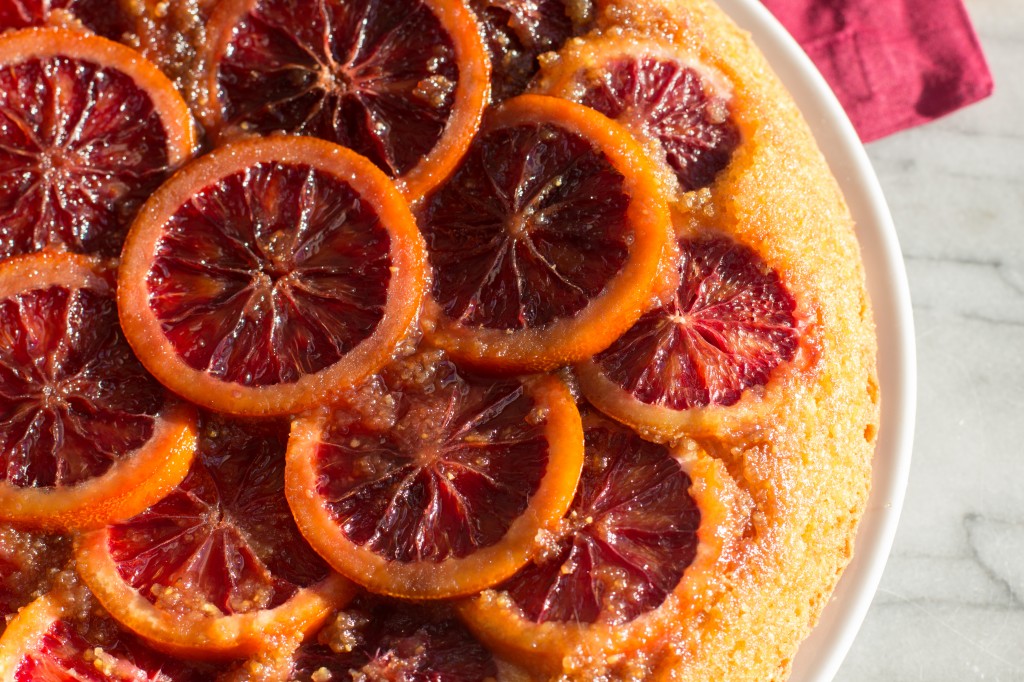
[[105, 17], [402, 82], [29, 563], [547, 240], [700, 362], [217, 566], [446, 500], [383, 640], [86, 435], [88, 129], [634, 557], [58, 639], [517, 33], [270, 275], [679, 108]]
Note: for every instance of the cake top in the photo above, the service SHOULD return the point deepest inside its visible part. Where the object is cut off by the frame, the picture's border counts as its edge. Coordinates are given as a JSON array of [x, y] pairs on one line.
[[423, 339]]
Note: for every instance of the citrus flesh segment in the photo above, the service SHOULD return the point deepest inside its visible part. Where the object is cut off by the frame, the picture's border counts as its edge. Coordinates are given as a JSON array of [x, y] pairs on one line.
[[546, 241], [403, 83], [270, 275], [55, 639], [729, 326], [636, 519], [631, 558], [217, 565], [680, 107], [517, 33], [86, 435], [447, 496], [381, 640], [105, 17], [88, 129]]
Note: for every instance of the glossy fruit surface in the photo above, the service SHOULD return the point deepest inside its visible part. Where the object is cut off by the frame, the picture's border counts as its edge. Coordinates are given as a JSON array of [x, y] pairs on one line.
[[636, 552], [546, 242], [270, 275], [681, 107], [58, 638], [402, 82], [218, 564], [105, 17], [730, 324], [446, 497], [88, 436], [88, 129]]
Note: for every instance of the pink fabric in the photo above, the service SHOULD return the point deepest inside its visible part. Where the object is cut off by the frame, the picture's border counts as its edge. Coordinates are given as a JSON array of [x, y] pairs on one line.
[[894, 64]]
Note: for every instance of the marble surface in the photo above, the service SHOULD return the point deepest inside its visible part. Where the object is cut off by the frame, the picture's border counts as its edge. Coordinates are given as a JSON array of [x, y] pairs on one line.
[[951, 602]]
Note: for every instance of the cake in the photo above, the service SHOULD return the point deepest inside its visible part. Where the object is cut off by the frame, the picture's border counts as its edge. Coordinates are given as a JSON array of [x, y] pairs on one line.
[[418, 340]]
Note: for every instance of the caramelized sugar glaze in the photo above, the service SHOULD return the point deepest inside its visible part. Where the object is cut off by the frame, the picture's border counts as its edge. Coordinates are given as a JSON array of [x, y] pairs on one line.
[[570, 363]]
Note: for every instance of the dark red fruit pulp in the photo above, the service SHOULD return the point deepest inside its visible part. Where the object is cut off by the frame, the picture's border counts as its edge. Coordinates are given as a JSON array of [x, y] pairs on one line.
[[225, 535], [270, 274], [64, 654], [530, 229], [392, 641], [633, 532], [373, 75], [23, 13], [669, 101], [73, 398], [81, 147], [105, 17], [516, 33], [729, 325], [457, 468]]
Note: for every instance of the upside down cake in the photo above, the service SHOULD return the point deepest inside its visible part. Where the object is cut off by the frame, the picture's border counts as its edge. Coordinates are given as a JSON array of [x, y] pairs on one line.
[[446, 340]]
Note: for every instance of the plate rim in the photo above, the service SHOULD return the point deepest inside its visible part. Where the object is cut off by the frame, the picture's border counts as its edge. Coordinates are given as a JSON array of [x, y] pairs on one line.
[[824, 650]]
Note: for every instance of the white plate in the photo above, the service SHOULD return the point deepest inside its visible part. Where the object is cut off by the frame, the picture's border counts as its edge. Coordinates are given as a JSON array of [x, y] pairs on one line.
[[822, 653]]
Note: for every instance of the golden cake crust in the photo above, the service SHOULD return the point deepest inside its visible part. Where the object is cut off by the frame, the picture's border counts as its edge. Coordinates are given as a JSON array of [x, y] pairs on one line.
[[801, 451]]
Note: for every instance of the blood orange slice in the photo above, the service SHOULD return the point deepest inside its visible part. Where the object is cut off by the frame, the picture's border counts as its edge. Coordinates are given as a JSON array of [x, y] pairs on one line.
[[271, 275], [402, 82], [88, 129], [217, 567], [86, 436], [55, 639], [546, 242], [105, 17], [700, 362], [446, 500], [517, 33], [679, 108], [378, 640], [635, 555]]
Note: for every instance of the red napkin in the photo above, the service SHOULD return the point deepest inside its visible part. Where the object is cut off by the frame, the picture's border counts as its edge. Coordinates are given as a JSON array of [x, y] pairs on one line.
[[894, 64]]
